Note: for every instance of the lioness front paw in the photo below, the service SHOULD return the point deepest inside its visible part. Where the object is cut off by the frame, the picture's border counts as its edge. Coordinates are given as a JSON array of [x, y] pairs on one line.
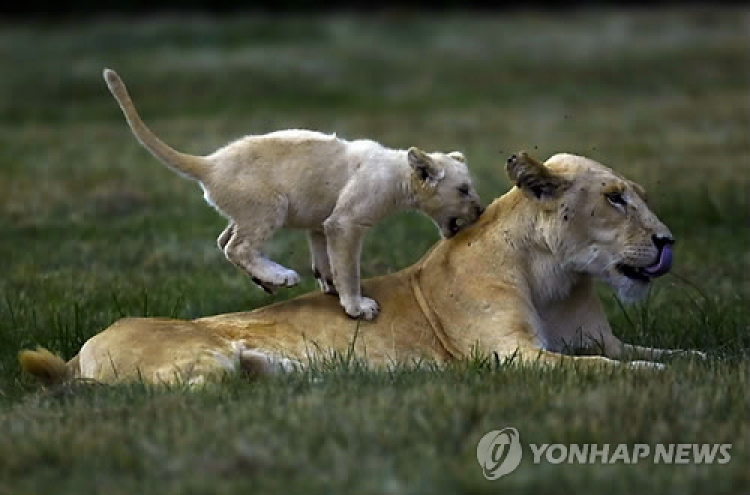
[[362, 307], [690, 353], [645, 365]]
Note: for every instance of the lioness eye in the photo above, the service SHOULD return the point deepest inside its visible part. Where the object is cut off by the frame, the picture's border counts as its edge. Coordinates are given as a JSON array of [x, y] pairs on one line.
[[463, 190], [615, 198]]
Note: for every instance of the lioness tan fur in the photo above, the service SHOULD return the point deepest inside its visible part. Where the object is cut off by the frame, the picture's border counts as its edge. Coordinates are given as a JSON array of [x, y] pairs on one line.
[[335, 189], [520, 282]]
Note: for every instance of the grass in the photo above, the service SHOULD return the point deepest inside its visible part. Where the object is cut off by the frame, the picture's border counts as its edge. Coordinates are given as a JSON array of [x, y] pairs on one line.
[[92, 229]]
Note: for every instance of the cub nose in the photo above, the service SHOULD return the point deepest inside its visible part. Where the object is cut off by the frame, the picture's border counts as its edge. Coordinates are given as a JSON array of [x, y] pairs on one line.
[[662, 240], [478, 210]]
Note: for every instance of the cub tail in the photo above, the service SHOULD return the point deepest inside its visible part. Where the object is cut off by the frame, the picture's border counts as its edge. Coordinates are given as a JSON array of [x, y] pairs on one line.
[[193, 167], [46, 367]]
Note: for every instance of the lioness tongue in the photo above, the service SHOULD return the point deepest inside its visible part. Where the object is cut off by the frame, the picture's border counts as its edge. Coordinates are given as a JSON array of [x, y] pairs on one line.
[[663, 265]]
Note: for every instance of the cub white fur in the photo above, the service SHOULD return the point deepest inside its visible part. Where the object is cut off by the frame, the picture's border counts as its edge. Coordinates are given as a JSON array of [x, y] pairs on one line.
[[336, 189]]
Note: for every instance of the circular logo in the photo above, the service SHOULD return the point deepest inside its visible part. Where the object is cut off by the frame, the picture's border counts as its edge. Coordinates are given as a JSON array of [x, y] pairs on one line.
[[499, 452]]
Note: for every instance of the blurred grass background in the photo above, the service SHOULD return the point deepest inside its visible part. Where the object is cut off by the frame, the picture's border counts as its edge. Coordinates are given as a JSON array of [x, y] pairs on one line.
[[93, 228]]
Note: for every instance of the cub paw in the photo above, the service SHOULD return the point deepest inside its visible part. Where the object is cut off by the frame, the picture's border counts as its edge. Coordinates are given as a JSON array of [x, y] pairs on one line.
[[287, 278], [362, 308], [327, 287], [268, 288], [282, 278], [325, 282]]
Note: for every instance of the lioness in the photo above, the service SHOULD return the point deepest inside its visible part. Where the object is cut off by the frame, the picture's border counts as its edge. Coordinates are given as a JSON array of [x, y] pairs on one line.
[[519, 282], [335, 189]]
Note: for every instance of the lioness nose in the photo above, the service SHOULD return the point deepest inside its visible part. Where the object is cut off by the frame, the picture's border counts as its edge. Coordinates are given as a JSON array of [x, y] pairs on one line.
[[662, 240]]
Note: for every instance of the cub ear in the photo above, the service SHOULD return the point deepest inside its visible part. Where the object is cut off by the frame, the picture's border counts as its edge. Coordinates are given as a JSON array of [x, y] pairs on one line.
[[532, 177], [458, 156], [424, 167]]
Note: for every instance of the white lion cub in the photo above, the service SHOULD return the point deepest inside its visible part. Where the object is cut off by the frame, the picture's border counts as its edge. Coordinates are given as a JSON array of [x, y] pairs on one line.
[[335, 189]]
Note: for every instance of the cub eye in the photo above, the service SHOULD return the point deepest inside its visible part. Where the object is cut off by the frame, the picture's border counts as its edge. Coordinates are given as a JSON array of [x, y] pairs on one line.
[[615, 198], [463, 190]]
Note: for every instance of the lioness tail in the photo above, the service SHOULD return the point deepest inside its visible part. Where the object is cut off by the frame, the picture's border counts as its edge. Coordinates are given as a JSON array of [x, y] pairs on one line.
[[45, 366], [192, 166]]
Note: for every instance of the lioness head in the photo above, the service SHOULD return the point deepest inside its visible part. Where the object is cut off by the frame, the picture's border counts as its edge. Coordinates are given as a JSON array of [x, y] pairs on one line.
[[599, 222], [442, 185]]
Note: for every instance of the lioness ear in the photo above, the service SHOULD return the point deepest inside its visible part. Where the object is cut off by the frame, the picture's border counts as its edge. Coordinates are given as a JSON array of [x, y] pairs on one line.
[[532, 177], [458, 156], [425, 167]]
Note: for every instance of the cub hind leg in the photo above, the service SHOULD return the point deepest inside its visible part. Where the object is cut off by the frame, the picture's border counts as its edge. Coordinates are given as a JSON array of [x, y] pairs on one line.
[[243, 239], [225, 235]]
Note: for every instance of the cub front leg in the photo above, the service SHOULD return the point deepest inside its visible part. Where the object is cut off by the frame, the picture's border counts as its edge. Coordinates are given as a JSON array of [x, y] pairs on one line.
[[320, 265], [344, 241]]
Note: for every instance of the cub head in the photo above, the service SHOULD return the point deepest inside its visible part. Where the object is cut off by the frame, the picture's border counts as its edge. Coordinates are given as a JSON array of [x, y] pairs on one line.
[[443, 190], [596, 222]]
